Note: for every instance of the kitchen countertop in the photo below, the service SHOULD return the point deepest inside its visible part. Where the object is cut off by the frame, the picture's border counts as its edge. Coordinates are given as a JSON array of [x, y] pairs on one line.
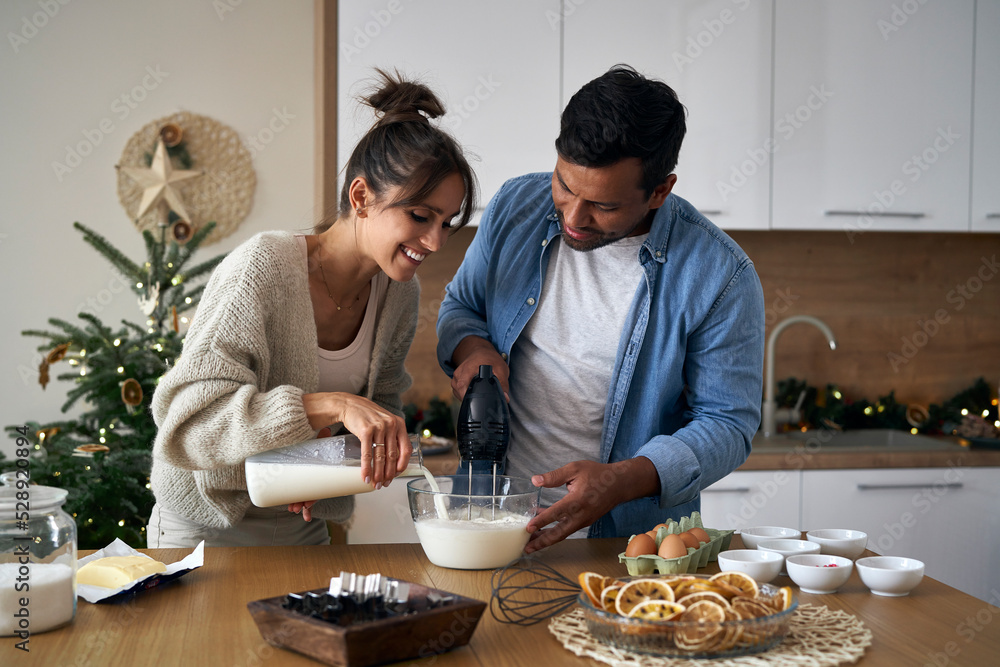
[[202, 619], [818, 450]]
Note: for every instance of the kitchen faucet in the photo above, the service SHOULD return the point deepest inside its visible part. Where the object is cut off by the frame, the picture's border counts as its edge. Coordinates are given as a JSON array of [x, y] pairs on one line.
[[767, 421]]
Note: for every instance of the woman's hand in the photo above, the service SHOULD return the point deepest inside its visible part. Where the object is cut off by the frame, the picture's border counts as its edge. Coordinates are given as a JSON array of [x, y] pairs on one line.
[[385, 445], [304, 508]]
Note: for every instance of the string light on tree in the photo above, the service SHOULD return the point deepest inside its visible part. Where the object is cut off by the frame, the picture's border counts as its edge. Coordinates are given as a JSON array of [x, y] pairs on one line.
[[114, 372], [184, 180]]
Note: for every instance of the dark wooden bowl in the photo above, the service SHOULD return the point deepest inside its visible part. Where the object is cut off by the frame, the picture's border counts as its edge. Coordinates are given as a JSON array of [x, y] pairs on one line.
[[415, 635]]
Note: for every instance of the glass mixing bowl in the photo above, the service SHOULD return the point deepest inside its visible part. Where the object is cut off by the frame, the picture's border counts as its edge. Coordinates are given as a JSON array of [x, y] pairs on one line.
[[472, 522]]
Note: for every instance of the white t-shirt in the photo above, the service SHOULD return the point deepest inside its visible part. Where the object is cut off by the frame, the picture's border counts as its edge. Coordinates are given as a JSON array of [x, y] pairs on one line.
[[561, 364]]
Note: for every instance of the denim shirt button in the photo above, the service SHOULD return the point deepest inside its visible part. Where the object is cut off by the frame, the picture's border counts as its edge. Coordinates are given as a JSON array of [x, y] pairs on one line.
[[545, 242], [659, 254], [503, 355], [531, 301]]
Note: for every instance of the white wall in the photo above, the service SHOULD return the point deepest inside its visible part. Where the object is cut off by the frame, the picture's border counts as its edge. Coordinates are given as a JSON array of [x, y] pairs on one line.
[[62, 68]]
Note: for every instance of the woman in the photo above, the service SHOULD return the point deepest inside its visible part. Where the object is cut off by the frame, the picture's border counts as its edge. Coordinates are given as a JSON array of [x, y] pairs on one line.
[[295, 334]]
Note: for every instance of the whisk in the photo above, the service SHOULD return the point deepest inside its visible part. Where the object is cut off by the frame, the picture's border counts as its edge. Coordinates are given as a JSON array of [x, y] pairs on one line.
[[527, 591]]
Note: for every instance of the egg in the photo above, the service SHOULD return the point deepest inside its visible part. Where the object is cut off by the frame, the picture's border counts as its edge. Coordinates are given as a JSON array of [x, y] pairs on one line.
[[672, 546], [640, 545], [689, 539], [700, 534], [652, 534]]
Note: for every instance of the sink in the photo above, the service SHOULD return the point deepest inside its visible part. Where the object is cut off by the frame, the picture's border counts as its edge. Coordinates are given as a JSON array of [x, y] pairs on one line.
[[859, 439]]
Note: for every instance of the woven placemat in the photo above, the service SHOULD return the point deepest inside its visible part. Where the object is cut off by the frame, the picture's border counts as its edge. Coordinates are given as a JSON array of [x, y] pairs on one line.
[[817, 637], [224, 193]]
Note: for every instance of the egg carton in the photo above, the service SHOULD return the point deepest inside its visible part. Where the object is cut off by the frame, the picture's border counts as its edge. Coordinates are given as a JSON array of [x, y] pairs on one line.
[[689, 564]]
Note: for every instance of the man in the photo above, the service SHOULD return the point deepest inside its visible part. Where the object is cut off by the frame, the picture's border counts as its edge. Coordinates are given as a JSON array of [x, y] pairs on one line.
[[627, 330]]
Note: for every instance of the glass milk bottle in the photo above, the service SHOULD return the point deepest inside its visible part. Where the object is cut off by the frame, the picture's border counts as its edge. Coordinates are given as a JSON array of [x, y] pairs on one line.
[[37, 558], [315, 469]]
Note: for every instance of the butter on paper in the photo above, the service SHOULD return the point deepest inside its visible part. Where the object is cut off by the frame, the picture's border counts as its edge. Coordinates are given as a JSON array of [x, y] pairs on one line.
[[118, 548]]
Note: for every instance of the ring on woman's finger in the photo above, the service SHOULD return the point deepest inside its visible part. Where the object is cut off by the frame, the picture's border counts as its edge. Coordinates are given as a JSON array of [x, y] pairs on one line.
[[378, 444]]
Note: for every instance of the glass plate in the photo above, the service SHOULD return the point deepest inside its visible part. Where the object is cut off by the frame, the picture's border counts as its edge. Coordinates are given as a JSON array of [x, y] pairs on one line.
[[690, 639]]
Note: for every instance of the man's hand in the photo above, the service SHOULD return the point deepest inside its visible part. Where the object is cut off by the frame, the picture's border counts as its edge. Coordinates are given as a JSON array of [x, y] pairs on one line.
[[593, 489], [469, 355]]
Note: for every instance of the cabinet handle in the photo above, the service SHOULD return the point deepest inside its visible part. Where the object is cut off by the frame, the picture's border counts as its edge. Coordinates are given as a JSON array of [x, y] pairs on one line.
[[737, 489], [992, 216], [876, 214], [876, 487], [718, 211]]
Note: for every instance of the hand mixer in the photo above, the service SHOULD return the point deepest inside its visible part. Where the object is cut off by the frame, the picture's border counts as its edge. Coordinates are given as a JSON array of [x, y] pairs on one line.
[[483, 424]]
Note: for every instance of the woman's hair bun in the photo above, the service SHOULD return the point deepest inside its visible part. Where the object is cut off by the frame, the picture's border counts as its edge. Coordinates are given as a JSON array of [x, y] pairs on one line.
[[395, 98], [403, 157]]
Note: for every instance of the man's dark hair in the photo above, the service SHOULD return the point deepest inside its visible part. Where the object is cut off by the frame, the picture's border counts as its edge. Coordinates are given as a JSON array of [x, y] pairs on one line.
[[622, 114]]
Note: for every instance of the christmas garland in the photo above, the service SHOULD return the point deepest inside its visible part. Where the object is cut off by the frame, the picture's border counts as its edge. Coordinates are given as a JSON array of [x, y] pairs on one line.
[[971, 413]]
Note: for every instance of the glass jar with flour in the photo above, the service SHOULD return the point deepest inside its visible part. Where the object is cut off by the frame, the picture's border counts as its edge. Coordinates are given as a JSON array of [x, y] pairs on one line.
[[37, 557]]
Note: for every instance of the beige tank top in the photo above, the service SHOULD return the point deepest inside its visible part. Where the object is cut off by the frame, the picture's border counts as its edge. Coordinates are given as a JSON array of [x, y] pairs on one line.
[[346, 370]]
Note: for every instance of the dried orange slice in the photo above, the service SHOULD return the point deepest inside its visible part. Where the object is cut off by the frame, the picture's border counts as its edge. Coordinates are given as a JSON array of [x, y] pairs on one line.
[[608, 597], [704, 611], [749, 608], [694, 586], [638, 591], [701, 626], [741, 582], [753, 634], [731, 634], [785, 595], [691, 598], [592, 584], [656, 610]]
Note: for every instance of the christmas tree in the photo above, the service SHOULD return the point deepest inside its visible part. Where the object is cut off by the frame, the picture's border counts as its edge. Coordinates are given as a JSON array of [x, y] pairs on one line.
[[103, 457]]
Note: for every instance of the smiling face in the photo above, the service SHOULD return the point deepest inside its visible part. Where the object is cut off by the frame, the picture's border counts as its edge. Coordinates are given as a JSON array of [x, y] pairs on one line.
[[399, 238], [599, 205]]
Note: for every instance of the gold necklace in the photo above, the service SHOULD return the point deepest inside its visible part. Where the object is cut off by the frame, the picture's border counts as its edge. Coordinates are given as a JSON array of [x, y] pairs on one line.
[[327, 286]]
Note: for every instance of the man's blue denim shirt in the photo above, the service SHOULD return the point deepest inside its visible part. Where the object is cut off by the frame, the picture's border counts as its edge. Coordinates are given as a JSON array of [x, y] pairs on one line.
[[686, 388]]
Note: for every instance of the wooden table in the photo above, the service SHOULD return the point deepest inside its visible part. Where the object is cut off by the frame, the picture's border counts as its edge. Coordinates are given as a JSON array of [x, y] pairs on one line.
[[202, 619]]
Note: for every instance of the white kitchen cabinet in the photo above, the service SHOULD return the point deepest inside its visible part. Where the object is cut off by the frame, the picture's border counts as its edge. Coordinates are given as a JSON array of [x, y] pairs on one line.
[[946, 517], [872, 109], [753, 498], [717, 55], [986, 120], [494, 65]]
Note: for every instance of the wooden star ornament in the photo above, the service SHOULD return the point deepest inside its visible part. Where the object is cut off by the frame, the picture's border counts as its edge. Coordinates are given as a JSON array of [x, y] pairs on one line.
[[159, 181]]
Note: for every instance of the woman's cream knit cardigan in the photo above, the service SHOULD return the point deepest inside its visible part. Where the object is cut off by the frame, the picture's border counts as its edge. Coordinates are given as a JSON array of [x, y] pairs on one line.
[[237, 387]]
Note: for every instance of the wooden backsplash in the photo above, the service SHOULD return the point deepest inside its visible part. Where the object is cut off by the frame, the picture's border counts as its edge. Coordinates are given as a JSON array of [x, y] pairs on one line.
[[912, 312]]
